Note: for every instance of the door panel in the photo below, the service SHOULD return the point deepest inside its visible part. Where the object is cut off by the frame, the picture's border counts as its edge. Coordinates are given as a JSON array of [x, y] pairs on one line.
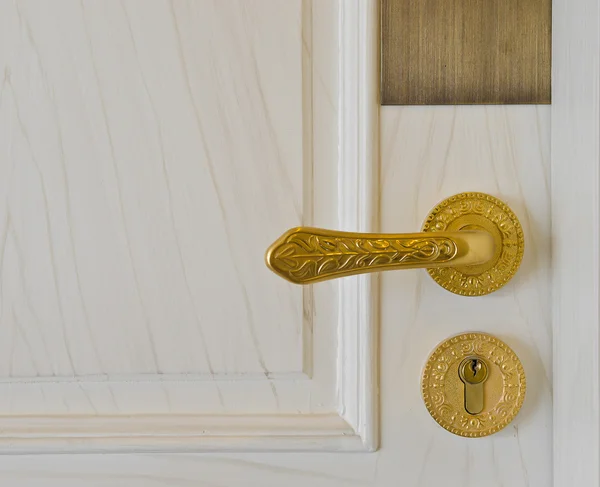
[[152, 150], [136, 206]]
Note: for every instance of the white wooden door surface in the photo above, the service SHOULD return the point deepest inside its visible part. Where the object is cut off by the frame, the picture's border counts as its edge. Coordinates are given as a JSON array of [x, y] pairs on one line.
[[150, 151]]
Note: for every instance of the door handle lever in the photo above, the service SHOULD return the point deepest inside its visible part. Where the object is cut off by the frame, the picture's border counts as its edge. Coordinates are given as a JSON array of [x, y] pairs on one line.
[[471, 244], [306, 255]]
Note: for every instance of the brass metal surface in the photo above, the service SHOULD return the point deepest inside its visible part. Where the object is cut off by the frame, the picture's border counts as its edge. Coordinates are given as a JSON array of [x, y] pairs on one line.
[[452, 52], [480, 249], [306, 255], [478, 211], [473, 372], [503, 386]]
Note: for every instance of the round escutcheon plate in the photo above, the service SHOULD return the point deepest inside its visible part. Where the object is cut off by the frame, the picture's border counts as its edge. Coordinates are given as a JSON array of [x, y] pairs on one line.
[[478, 211], [444, 391]]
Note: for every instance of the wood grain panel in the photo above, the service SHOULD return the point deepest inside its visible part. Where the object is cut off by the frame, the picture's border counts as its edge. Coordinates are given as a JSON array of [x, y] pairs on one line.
[[576, 267], [150, 153], [428, 154], [454, 52]]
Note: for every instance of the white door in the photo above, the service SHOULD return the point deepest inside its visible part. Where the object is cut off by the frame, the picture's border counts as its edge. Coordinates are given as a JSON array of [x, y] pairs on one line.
[[151, 151]]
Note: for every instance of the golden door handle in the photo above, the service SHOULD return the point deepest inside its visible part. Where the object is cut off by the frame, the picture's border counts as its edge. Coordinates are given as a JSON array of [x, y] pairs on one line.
[[471, 244], [305, 255]]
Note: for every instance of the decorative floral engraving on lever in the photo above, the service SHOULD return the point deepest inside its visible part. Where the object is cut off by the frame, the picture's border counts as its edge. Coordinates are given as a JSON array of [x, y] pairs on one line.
[[308, 255]]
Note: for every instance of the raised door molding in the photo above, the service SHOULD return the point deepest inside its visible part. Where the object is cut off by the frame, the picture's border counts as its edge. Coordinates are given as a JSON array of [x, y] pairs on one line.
[[576, 241], [359, 211], [339, 334]]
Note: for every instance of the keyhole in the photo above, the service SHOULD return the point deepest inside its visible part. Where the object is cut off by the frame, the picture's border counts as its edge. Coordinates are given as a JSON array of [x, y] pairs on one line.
[[473, 372]]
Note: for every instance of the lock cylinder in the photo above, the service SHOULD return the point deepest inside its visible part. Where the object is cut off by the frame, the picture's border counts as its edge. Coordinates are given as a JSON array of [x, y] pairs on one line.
[[473, 372]]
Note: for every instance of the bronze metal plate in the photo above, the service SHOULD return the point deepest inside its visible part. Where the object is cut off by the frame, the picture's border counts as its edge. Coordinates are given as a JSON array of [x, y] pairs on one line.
[[457, 52]]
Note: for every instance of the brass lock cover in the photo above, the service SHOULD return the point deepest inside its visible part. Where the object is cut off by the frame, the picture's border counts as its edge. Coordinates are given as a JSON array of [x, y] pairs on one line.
[[473, 385]]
